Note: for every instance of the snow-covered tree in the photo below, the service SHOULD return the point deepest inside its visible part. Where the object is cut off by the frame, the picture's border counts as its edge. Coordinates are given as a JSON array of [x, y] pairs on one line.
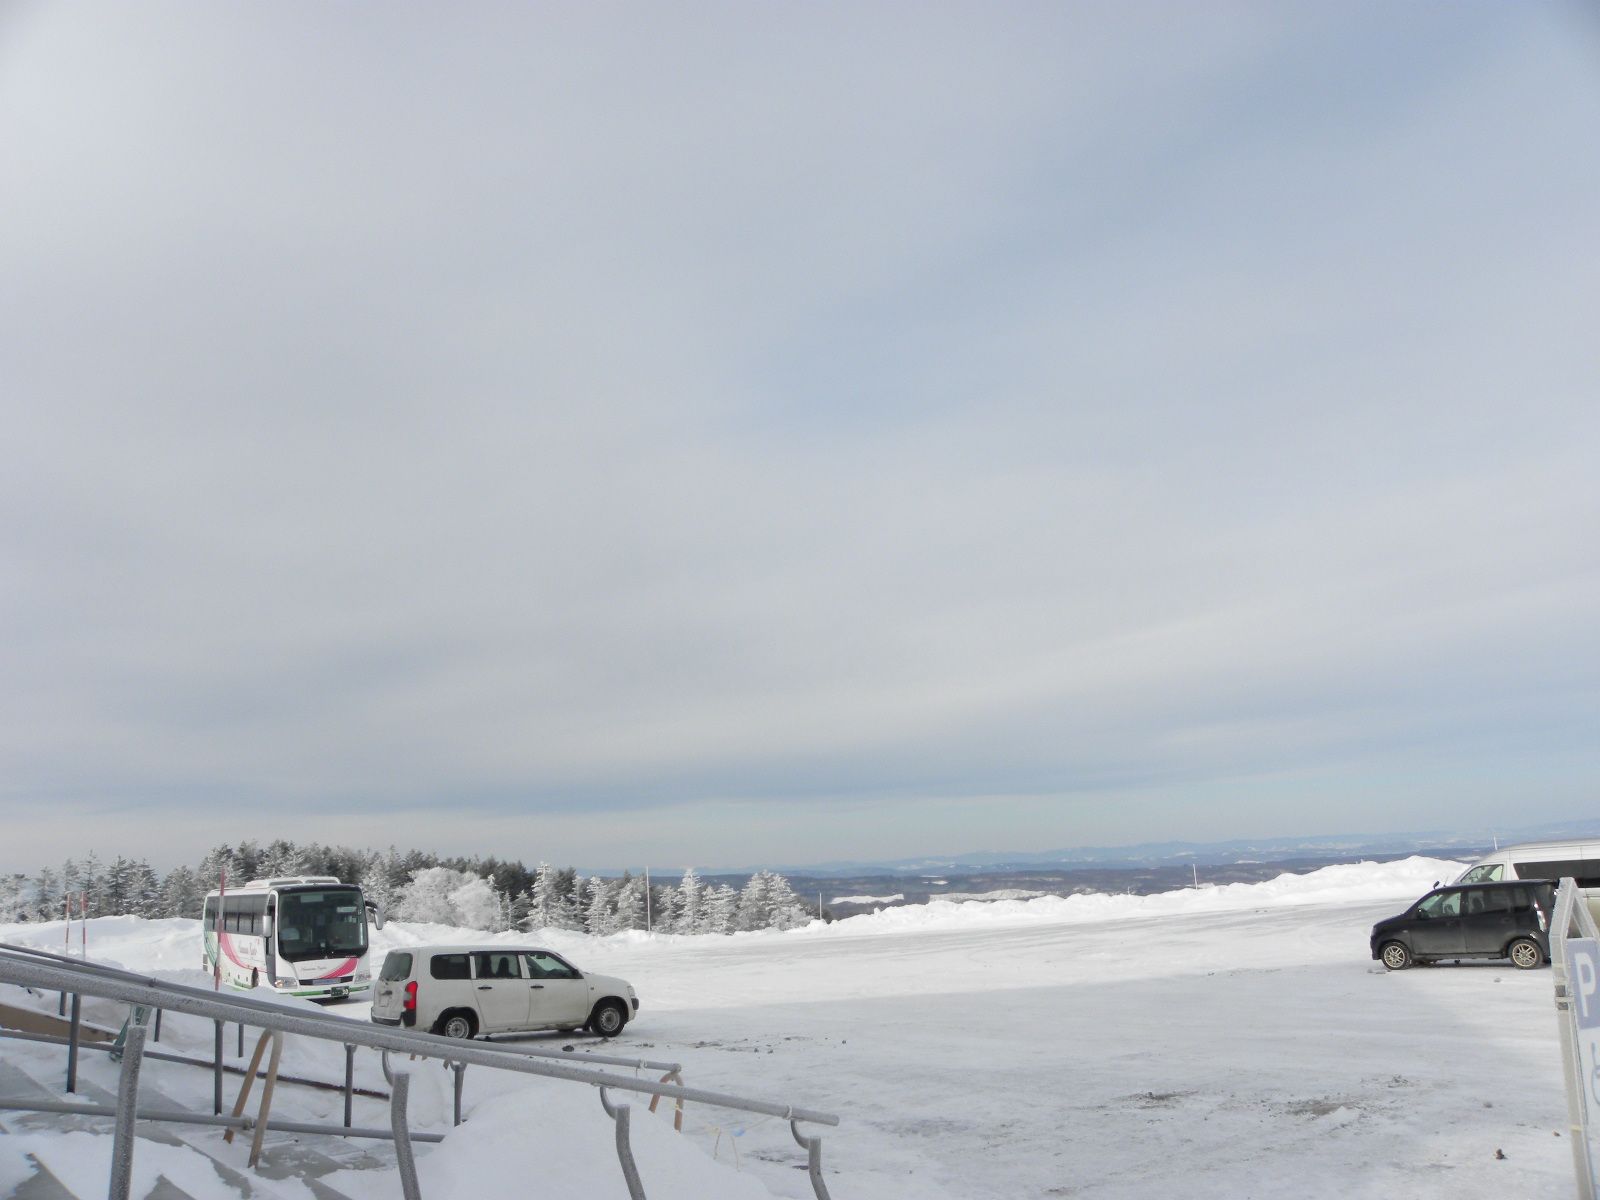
[[428, 897], [548, 908], [476, 904], [630, 903], [664, 909], [14, 899], [46, 899], [691, 893], [600, 906], [721, 910], [182, 894]]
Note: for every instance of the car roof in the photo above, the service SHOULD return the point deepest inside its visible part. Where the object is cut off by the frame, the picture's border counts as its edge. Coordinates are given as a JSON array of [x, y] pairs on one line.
[[471, 949]]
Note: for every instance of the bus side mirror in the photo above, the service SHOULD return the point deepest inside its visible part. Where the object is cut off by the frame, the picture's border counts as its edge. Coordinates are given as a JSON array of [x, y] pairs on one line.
[[376, 910], [266, 927]]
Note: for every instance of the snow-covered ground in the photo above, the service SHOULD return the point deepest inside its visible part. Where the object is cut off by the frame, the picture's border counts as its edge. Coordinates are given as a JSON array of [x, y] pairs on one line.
[[1232, 1041]]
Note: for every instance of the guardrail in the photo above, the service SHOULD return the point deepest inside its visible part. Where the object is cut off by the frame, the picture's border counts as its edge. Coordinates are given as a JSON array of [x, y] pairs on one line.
[[27, 967]]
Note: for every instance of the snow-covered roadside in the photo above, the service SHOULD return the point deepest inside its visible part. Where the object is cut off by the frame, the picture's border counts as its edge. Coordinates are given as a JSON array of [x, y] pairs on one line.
[[1215, 1043]]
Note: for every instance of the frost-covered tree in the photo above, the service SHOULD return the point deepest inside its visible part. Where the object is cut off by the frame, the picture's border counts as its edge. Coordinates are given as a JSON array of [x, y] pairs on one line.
[[691, 893], [476, 904], [517, 912], [428, 897], [14, 899], [548, 908], [144, 891], [663, 909], [46, 899], [768, 902], [630, 903], [600, 907], [721, 910], [182, 894]]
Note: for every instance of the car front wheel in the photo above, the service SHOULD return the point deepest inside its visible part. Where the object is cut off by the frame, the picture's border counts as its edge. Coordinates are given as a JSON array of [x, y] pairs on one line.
[[1396, 957], [1525, 954], [608, 1019]]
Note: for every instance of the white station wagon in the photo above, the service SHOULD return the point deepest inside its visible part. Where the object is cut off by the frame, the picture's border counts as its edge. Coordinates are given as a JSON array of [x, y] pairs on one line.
[[466, 991]]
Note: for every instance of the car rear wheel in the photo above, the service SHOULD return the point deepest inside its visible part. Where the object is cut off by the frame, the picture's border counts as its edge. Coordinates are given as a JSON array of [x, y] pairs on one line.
[[1396, 957], [607, 1019], [1525, 954], [457, 1025]]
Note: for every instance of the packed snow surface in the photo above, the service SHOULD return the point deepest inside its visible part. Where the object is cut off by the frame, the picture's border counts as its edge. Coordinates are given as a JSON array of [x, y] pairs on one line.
[[1228, 1041]]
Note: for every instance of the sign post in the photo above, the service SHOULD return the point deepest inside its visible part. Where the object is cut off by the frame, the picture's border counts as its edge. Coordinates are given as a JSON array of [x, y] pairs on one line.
[[1575, 963]]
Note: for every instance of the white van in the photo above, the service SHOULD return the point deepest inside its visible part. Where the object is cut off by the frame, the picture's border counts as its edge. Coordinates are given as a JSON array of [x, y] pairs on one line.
[[466, 991], [1539, 860]]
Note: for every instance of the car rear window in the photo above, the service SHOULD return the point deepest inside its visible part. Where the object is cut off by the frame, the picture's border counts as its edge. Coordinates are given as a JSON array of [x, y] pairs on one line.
[[396, 966], [449, 966]]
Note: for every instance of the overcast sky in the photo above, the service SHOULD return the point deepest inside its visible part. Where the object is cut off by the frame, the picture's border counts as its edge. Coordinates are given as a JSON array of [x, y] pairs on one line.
[[746, 433]]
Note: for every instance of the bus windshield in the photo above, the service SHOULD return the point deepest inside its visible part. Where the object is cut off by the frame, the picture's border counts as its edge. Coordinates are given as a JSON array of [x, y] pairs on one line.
[[325, 923]]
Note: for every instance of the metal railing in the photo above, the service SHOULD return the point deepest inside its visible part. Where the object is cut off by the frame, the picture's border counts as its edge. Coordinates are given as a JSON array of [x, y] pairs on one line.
[[43, 971]]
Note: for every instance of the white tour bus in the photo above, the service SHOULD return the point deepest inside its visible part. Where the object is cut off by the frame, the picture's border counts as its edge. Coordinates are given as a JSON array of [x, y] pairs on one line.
[[305, 935]]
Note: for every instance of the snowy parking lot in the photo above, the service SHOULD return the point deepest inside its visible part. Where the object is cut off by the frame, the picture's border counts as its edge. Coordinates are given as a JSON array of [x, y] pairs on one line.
[[1227, 1042]]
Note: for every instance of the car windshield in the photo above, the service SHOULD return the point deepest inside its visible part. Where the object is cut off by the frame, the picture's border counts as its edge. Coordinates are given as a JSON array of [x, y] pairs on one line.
[[326, 923]]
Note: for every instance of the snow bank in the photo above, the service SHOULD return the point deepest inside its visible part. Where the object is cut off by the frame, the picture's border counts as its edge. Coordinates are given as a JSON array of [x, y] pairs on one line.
[[1351, 882]]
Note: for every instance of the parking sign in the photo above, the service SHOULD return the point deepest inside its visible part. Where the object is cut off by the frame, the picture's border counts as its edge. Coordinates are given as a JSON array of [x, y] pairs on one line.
[[1583, 986]]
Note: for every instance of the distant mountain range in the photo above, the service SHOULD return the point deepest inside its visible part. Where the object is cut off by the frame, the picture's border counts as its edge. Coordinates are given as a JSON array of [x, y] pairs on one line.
[[1452, 844]]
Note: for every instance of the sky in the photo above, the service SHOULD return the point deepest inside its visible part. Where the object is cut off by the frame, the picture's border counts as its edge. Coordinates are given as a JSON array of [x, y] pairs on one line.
[[736, 435]]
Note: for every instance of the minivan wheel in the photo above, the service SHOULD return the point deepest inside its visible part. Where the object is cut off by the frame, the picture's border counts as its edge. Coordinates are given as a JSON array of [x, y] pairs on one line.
[[1525, 954], [456, 1025], [607, 1019], [1396, 957]]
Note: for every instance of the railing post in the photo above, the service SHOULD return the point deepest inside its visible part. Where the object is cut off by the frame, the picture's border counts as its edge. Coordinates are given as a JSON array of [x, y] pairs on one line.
[[266, 1094], [620, 1117], [460, 1070], [813, 1148], [72, 1042], [158, 1025], [349, 1081], [401, 1088], [216, 1072], [127, 1107]]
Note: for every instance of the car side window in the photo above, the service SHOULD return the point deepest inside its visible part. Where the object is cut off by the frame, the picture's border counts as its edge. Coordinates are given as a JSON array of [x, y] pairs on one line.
[[1441, 904], [450, 966], [496, 964], [1487, 873], [544, 965], [1496, 900]]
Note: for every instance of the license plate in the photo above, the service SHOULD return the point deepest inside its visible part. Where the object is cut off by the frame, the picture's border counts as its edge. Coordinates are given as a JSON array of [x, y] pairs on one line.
[[339, 991]]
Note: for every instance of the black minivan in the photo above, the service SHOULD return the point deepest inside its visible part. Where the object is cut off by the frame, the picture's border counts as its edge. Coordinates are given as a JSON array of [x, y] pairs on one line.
[[1475, 920]]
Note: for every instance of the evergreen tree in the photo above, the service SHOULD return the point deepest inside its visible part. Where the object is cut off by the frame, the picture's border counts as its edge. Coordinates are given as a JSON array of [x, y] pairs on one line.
[[630, 903], [600, 911], [15, 903], [144, 891], [691, 892], [721, 910], [182, 894], [549, 908], [46, 898]]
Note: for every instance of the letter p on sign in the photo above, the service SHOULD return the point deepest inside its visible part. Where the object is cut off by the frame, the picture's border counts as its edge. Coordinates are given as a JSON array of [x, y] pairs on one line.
[[1583, 975]]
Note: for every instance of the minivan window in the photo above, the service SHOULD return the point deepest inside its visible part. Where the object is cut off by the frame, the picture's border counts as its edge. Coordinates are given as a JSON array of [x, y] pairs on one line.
[[396, 967], [544, 965], [1441, 904], [496, 964], [449, 966], [1556, 869], [1486, 873]]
